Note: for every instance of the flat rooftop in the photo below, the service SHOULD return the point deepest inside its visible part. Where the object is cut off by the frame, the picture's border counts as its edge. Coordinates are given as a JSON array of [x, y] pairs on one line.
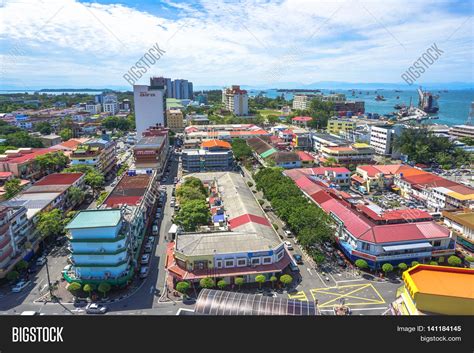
[[95, 219], [444, 281]]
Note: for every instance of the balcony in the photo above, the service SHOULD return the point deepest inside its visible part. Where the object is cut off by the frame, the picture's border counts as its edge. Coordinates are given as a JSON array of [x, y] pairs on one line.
[[95, 240]]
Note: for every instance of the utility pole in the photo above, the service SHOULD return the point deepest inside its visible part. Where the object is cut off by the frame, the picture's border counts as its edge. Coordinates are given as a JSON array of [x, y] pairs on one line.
[[49, 280]]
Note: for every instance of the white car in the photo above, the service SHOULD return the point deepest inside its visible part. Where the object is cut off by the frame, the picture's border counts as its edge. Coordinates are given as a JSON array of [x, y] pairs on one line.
[[20, 286], [144, 271], [31, 313], [145, 258], [288, 245], [94, 308], [41, 261], [288, 234]]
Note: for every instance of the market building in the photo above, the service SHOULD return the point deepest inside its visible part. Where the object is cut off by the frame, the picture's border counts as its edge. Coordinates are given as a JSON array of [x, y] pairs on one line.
[[240, 243]]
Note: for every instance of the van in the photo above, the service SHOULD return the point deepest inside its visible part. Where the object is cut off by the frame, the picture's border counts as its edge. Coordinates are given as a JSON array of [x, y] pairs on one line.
[[155, 230], [148, 248]]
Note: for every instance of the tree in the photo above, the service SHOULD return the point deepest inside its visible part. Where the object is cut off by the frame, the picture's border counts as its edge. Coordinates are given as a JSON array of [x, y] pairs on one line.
[[240, 149], [22, 139], [239, 281], [75, 195], [44, 128], [469, 258], [51, 162], [434, 263], [260, 279], [192, 214], [414, 263], [104, 288], [453, 260], [21, 265], [221, 284], [273, 279], [330, 162], [207, 282], [89, 288], [13, 275], [387, 268], [362, 264], [286, 280], [250, 184], [95, 180], [12, 187], [65, 134], [50, 223], [182, 287], [275, 226], [402, 266], [74, 288]]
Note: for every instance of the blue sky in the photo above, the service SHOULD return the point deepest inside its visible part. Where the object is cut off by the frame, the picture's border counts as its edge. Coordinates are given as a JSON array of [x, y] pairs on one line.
[[70, 43]]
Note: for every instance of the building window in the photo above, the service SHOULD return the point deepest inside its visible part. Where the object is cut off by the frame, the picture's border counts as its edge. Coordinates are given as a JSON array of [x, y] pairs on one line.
[[437, 243], [365, 246], [229, 263], [267, 260], [280, 254], [256, 261], [241, 262], [219, 263]]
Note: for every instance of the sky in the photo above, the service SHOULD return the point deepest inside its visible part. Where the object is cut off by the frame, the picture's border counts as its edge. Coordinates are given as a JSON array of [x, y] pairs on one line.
[[79, 44]]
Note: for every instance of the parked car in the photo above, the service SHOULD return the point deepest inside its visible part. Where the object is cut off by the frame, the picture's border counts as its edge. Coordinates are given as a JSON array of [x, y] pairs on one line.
[[20, 286], [94, 308], [341, 262], [288, 245], [31, 313], [155, 230], [148, 248], [172, 203], [298, 258], [294, 267], [145, 258], [41, 261], [328, 247], [144, 271], [289, 234]]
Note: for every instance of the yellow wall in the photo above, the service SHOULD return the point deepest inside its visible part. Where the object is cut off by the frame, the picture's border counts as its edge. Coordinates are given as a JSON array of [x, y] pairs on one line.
[[444, 305], [190, 260], [334, 126]]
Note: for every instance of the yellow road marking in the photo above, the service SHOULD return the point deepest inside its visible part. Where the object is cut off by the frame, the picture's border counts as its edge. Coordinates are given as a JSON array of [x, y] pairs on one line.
[[339, 295], [299, 296]]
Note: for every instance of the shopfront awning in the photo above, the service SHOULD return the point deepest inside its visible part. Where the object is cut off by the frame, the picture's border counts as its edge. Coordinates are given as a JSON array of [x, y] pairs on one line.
[[407, 246]]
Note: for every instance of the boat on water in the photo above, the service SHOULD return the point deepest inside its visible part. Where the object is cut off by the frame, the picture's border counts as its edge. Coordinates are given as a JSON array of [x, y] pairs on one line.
[[398, 106], [427, 101], [397, 90], [380, 98]]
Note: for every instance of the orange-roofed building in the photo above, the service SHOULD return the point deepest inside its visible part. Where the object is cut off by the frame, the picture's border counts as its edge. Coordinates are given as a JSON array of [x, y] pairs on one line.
[[216, 145], [436, 290]]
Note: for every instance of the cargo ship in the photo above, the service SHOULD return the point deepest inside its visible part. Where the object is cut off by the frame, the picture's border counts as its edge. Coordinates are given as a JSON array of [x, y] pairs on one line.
[[427, 102]]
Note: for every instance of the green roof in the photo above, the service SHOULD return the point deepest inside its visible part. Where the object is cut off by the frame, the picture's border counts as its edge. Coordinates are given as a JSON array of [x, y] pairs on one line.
[[95, 219], [173, 103], [268, 153]]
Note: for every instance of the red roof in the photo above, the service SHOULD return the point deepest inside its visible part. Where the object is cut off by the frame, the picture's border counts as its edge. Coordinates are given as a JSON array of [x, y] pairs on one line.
[[184, 274], [215, 143], [305, 156], [302, 118], [29, 156], [115, 201], [246, 218], [60, 179], [5, 174]]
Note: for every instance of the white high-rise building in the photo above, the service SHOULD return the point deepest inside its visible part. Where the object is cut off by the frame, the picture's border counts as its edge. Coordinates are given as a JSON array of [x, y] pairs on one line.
[[149, 107], [236, 100], [382, 138], [110, 104]]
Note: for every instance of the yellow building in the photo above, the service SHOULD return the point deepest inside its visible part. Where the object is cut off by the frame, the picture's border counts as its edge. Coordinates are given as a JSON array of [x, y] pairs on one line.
[[436, 290], [337, 125], [174, 119]]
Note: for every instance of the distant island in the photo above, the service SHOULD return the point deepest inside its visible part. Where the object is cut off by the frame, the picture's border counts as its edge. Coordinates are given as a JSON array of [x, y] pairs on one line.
[[75, 90]]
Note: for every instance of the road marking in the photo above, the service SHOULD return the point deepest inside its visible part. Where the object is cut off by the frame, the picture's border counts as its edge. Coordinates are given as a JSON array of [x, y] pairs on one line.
[[322, 279], [299, 296], [311, 273], [339, 294], [152, 288], [350, 280]]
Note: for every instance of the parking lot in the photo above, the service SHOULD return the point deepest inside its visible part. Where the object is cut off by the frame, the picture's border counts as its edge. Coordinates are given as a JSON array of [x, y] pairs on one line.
[[391, 200]]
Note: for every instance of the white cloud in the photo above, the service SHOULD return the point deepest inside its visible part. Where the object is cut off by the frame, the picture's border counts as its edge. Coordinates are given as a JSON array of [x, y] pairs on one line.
[[232, 42]]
